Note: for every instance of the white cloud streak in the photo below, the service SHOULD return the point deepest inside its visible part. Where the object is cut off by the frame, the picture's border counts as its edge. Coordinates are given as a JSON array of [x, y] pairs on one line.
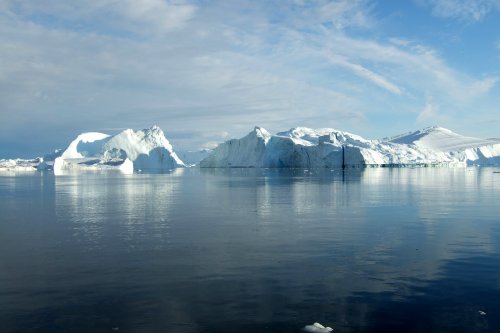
[[419, 67], [463, 10], [165, 16], [340, 14], [137, 16], [363, 72]]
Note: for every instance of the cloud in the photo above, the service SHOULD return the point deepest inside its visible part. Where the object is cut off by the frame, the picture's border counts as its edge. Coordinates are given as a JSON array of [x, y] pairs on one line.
[[363, 72], [400, 42], [90, 81], [165, 16], [429, 112], [480, 87], [463, 10], [108, 16], [417, 66], [340, 14]]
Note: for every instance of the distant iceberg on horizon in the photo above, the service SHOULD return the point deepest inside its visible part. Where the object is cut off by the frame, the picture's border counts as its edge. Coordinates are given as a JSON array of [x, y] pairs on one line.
[[149, 150]]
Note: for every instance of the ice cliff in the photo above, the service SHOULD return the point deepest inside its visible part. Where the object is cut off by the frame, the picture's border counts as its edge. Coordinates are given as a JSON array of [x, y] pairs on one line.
[[329, 148]]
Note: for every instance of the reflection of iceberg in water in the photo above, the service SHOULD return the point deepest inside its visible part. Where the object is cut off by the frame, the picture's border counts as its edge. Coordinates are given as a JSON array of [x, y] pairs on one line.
[[289, 237], [326, 189], [397, 226], [439, 212], [263, 198], [273, 188], [100, 206], [150, 198], [426, 189]]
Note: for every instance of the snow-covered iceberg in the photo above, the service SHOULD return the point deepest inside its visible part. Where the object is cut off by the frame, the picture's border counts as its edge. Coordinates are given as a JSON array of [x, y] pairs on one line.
[[35, 164], [149, 150], [21, 164], [329, 148], [128, 151]]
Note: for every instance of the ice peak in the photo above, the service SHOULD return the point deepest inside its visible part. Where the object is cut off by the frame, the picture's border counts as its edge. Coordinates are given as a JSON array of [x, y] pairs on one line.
[[154, 129], [435, 129], [261, 132], [439, 139]]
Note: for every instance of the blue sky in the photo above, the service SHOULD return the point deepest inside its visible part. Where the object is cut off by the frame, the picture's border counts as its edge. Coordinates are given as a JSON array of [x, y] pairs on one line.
[[206, 71]]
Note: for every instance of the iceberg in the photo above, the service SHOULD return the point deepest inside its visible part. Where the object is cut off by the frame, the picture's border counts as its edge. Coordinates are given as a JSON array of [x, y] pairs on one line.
[[303, 147], [317, 328], [21, 164], [149, 150], [128, 151]]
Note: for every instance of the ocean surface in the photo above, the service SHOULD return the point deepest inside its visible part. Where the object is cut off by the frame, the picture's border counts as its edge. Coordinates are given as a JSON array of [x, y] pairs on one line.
[[251, 250]]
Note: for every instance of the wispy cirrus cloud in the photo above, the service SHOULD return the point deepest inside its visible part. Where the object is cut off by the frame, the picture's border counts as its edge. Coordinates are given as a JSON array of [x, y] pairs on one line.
[[165, 16], [426, 68], [463, 10], [107, 16], [430, 113], [340, 14], [365, 73]]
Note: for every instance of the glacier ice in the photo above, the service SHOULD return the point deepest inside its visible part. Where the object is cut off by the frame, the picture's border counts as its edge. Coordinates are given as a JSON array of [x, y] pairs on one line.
[[128, 151], [329, 148], [301, 147], [20, 164]]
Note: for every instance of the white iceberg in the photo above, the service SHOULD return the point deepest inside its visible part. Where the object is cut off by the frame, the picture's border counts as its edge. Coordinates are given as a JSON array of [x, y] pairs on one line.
[[18, 164], [301, 147], [126, 152], [329, 148], [317, 328]]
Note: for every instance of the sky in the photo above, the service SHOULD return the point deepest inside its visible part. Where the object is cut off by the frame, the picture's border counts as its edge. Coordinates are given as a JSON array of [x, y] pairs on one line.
[[207, 71]]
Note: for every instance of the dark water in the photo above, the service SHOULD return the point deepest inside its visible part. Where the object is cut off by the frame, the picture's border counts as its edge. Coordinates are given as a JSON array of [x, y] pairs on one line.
[[375, 250]]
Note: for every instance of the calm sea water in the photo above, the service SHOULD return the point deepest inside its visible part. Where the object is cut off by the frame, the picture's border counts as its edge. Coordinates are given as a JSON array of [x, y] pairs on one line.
[[365, 250]]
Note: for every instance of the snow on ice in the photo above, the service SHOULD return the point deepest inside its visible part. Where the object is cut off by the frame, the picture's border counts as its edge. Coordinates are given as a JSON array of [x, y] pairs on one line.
[[148, 149], [329, 148]]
